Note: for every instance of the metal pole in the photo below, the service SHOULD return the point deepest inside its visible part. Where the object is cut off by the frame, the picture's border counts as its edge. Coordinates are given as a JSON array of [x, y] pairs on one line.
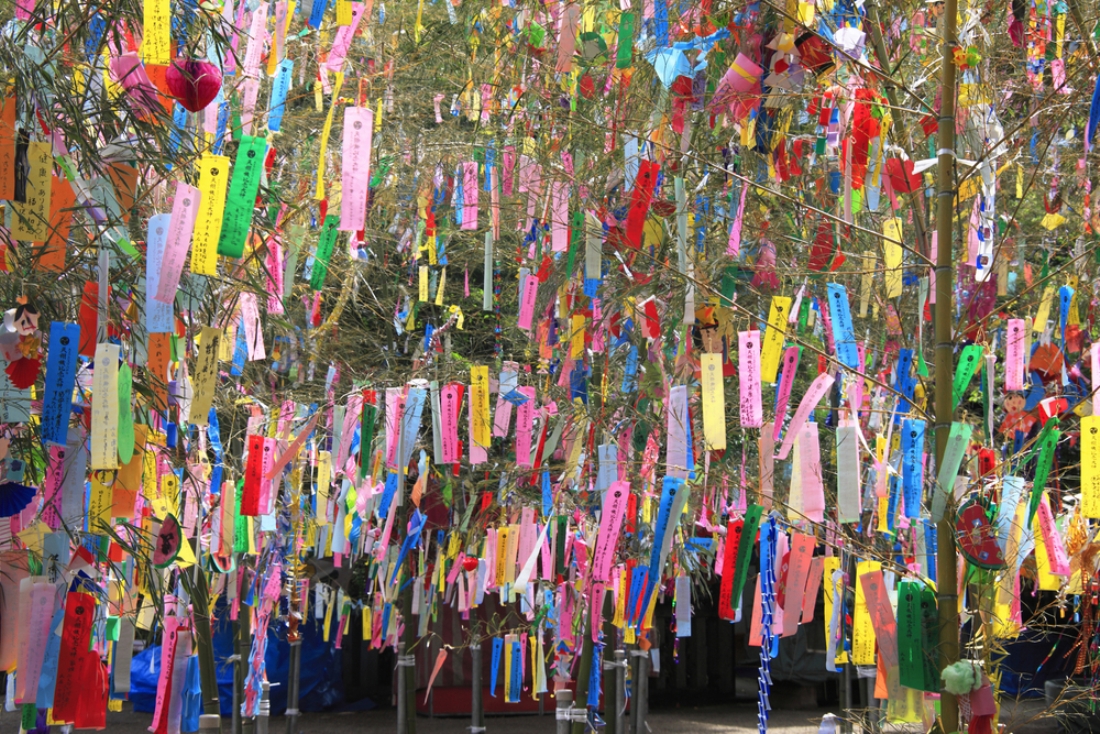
[[946, 562], [641, 692], [293, 684], [402, 711], [238, 692], [635, 664], [264, 717], [846, 685], [477, 715], [565, 705], [620, 693]]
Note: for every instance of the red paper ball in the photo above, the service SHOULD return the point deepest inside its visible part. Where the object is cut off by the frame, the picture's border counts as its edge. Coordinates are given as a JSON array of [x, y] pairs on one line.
[[194, 83]]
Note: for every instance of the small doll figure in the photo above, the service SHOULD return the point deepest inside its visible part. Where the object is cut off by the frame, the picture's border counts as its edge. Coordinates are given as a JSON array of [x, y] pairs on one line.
[[19, 344], [1017, 419]]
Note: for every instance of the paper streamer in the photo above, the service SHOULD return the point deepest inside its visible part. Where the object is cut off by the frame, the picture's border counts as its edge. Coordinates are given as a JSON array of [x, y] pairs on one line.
[[104, 441], [752, 411], [185, 209], [356, 166], [958, 441], [774, 335], [817, 390], [59, 380]]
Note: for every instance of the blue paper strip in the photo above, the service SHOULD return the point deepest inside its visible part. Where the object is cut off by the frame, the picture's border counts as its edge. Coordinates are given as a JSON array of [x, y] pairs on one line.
[[912, 466], [844, 334], [498, 652], [60, 375], [279, 89]]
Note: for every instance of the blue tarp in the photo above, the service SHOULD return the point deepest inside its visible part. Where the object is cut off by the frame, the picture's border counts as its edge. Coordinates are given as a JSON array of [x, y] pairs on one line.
[[321, 674]]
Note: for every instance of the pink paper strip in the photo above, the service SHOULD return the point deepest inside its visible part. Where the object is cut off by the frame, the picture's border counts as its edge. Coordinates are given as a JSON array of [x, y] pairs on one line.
[[733, 247], [257, 36], [752, 411], [275, 275], [882, 617], [527, 304], [813, 489], [253, 333], [525, 417], [185, 207], [559, 216], [355, 175], [439, 660], [342, 42], [813, 583], [347, 432], [1014, 355], [567, 40], [395, 407], [478, 454], [248, 103], [789, 368], [266, 499], [798, 569], [51, 488], [611, 520], [470, 195], [813, 396], [292, 449], [450, 406]]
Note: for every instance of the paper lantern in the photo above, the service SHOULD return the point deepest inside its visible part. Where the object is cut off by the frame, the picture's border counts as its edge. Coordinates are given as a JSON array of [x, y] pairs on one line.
[[194, 83]]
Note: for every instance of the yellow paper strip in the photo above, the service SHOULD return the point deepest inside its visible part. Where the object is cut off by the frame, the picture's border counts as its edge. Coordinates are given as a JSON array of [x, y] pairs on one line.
[[31, 219], [772, 351], [104, 443], [1090, 466], [205, 378], [213, 178], [714, 402], [156, 41], [319, 194], [863, 633], [479, 404], [891, 230]]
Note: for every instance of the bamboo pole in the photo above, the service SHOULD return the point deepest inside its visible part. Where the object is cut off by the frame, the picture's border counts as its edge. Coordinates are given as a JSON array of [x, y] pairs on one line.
[[946, 561], [208, 679]]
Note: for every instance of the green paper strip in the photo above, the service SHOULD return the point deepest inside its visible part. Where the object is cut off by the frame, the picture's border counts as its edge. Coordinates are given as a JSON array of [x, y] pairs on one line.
[[1046, 444], [910, 639], [125, 414], [241, 201], [324, 252], [624, 56], [744, 550], [240, 523], [957, 442], [968, 363]]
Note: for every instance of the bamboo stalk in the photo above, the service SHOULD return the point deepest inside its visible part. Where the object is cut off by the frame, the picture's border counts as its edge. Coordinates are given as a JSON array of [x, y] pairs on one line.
[[946, 561]]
